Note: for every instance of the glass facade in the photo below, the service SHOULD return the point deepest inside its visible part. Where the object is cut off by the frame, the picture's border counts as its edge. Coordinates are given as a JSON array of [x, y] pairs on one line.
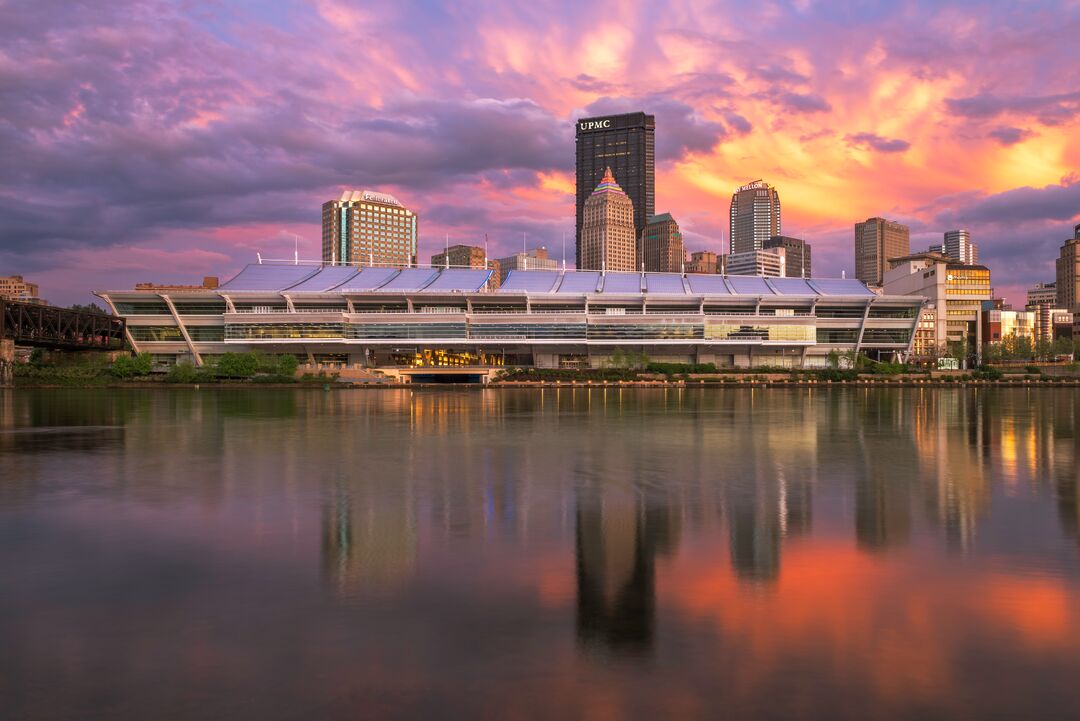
[[625, 143], [272, 331], [761, 331], [156, 333]]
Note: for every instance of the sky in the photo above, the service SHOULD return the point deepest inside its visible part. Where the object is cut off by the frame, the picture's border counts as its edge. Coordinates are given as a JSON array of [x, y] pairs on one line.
[[155, 140]]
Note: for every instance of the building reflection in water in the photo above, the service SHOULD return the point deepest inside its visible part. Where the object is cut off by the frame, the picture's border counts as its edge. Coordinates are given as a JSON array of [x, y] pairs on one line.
[[368, 546], [619, 535]]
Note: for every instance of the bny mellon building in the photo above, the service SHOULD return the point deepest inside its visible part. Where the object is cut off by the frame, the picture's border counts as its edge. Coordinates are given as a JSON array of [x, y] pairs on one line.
[[608, 240]]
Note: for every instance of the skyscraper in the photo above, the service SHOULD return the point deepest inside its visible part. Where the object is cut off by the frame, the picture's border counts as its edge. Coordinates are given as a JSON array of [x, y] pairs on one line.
[[877, 240], [623, 143], [958, 247], [608, 241], [1068, 273], [755, 216], [797, 254], [368, 227], [661, 248]]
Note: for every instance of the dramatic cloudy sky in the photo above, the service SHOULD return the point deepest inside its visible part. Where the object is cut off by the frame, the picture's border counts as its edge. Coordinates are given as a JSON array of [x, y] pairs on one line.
[[157, 140]]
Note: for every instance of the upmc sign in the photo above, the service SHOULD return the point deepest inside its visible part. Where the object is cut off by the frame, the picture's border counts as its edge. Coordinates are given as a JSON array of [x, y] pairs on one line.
[[586, 125]]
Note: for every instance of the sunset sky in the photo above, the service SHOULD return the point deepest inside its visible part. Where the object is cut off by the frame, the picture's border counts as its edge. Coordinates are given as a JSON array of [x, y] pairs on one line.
[[151, 140]]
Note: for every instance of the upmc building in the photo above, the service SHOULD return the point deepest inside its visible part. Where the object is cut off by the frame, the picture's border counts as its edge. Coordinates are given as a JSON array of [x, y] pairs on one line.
[[625, 144]]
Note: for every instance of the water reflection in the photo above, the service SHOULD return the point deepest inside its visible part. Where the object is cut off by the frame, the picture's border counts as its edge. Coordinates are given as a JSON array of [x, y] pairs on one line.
[[850, 549]]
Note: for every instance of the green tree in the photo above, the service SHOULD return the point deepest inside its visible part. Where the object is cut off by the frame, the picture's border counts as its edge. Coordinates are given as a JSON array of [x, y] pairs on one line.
[[237, 365]]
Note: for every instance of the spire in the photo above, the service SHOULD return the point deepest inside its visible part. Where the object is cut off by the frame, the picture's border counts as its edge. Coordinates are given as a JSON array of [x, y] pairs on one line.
[[607, 183]]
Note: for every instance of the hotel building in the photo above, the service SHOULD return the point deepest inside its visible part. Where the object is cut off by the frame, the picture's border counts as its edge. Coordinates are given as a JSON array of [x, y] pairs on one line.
[[408, 321], [625, 144], [368, 228], [754, 216]]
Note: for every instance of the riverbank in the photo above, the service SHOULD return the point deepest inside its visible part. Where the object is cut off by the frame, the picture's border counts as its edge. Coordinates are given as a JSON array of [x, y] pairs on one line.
[[329, 384]]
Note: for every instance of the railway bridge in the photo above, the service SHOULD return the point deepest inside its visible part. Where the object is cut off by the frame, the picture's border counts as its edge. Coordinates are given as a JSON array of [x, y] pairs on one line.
[[44, 326]]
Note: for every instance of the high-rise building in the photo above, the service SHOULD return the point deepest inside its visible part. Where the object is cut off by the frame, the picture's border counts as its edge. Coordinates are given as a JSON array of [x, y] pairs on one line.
[[796, 254], [1068, 273], [365, 227], [467, 256], [954, 290], [661, 248], [13, 287], [535, 259], [877, 241], [755, 216], [608, 240], [770, 263], [703, 261], [623, 143], [958, 247]]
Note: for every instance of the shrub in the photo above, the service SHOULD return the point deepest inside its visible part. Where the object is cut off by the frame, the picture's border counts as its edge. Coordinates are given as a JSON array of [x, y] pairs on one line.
[[183, 373], [988, 373], [1034, 370]]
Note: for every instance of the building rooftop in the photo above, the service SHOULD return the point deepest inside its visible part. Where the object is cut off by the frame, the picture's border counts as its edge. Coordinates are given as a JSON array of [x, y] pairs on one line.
[[296, 279]]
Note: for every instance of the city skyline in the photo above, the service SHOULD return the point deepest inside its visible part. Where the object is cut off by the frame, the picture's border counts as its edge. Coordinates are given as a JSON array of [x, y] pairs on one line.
[[194, 155]]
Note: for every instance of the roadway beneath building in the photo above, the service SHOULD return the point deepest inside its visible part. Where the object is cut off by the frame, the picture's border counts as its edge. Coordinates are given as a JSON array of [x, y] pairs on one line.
[[466, 374]]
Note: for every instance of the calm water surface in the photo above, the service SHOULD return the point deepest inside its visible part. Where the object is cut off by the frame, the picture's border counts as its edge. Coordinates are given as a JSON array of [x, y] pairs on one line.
[[776, 554]]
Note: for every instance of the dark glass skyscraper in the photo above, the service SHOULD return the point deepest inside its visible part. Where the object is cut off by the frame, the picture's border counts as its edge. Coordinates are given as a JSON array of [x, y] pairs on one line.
[[625, 144]]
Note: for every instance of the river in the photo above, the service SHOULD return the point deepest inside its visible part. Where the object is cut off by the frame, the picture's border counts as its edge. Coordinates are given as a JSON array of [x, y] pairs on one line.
[[846, 553]]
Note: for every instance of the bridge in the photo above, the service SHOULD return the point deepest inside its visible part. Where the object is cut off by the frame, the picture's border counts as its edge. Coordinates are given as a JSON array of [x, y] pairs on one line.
[[45, 326]]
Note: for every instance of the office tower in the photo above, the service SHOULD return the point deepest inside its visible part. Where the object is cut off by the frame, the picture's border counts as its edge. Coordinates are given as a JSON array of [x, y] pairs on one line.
[[770, 263], [535, 259], [661, 248], [702, 261], [623, 143], [796, 253], [608, 240], [1068, 273], [467, 256], [958, 247], [876, 241], [755, 216], [1042, 294], [367, 227]]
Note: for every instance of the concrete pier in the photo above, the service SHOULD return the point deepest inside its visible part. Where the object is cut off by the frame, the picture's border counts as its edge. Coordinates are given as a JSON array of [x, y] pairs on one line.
[[7, 362]]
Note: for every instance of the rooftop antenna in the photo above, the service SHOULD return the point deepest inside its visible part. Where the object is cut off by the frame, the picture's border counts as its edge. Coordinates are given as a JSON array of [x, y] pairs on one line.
[[843, 274], [446, 255], [259, 256], [485, 250], [296, 249], [564, 251]]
